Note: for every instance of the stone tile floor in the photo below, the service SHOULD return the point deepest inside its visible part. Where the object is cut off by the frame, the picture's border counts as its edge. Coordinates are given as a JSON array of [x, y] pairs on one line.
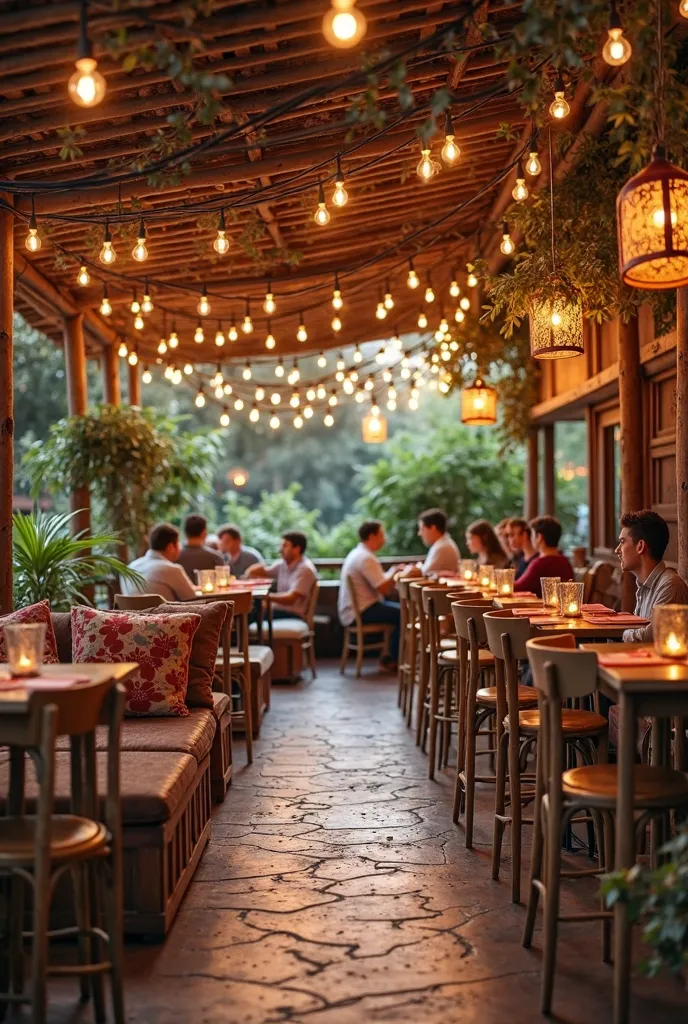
[[335, 890]]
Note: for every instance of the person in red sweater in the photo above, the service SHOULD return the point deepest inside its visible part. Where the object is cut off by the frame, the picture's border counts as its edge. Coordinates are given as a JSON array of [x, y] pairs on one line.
[[546, 533]]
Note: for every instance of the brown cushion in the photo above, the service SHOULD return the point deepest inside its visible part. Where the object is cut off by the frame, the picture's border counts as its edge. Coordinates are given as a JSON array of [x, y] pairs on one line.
[[153, 784], [221, 704], [206, 641], [62, 624], [193, 734]]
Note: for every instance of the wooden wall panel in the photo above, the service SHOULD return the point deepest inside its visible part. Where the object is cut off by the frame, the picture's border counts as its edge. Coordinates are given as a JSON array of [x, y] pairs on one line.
[[661, 419], [609, 344]]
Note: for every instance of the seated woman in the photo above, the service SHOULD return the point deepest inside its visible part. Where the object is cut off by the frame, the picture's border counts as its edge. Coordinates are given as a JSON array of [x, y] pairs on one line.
[[481, 540]]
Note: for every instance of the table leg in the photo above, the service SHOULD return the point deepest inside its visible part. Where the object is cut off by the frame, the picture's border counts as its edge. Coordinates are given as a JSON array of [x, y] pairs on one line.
[[625, 855], [226, 666], [248, 701]]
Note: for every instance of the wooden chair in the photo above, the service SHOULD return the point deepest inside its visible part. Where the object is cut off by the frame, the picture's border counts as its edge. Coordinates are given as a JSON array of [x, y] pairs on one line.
[[237, 667], [137, 602], [37, 849], [422, 673], [306, 642], [355, 641], [507, 636], [561, 672], [407, 648]]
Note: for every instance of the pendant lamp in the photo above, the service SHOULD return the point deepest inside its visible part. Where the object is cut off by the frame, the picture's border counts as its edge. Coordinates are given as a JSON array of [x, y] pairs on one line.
[[479, 404]]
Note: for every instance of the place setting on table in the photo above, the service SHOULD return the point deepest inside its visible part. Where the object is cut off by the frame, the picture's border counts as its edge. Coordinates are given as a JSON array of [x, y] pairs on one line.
[[562, 608]]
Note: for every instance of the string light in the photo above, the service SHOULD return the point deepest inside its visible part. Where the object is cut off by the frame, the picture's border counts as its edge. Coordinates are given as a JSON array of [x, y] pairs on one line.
[[135, 306], [203, 306], [307, 411], [380, 311], [426, 167], [339, 376], [219, 336], [269, 304], [162, 347], [454, 289], [105, 304], [122, 350], [343, 25], [465, 303], [311, 395], [337, 300], [412, 280], [533, 165], [275, 398], [450, 151], [321, 392], [254, 414], [422, 320], [140, 252], [200, 399], [147, 304], [221, 243], [471, 280], [348, 386], [270, 339], [459, 316], [86, 86], [232, 333], [83, 278], [322, 361], [559, 108], [275, 422], [322, 214], [279, 368], [238, 404], [139, 322], [336, 324], [507, 245], [389, 301], [107, 254], [177, 376], [332, 400], [259, 394], [617, 50], [218, 378], [358, 355], [224, 418], [199, 336], [295, 400], [227, 388], [429, 293], [520, 189], [341, 365], [247, 324], [294, 375], [188, 369], [301, 334], [328, 420], [340, 197], [146, 376], [298, 422], [369, 384], [133, 358], [173, 339], [247, 371]]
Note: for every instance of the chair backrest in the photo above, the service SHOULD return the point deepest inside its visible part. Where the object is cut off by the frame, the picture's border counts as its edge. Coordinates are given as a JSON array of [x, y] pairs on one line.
[[312, 605], [497, 623], [576, 671], [473, 609], [464, 595], [137, 602], [348, 582], [403, 588], [436, 601], [599, 584]]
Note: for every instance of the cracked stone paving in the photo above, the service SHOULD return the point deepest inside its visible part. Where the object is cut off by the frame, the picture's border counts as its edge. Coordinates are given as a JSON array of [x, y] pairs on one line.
[[336, 890]]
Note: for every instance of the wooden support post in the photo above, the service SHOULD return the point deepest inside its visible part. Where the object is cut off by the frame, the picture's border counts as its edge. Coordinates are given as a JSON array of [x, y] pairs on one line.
[[532, 500], [111, 386], [630, 406], [134, 384], [548, 469], [682, 428], [6, 407], [75, 369]]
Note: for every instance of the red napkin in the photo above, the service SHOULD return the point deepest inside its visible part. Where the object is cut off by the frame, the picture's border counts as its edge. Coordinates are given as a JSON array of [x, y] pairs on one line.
[[34, 683], [529, 612], [620, 619], [597, 608], [644, 656]]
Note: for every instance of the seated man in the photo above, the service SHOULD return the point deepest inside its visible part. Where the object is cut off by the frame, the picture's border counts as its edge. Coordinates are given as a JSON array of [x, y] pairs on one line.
[[443, 554], [237, 555], [546, 534], [195, 555], [643, 539], [520, 544], [158, 567], [296, 576], [362, 573]]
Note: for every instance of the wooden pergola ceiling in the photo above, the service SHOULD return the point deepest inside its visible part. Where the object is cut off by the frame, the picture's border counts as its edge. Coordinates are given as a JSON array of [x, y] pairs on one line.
[[275, 53]]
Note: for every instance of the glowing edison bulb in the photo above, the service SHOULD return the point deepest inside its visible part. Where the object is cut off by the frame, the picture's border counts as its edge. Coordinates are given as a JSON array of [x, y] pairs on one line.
[[133, 358], [322, 361], [122, 350], [358, 355], [308, 411], [188, 369], [559, 108], [341, 365], [173, 339], [369, 384], [507, 245], [295, 400], [269, 305], [146, 376], [254, 414], [454, 289], [203, 306], [199, 336], [471, 280], [465, 303], [310, 395], [139, 322], [221, 243], [246, 373], [162, 347], [439, 335], [168, 372], [533, 165], [381, 355], [302, 333], [422, 320], [224, 418], [298, 422], [344, 26], [444, 326], [658, 218], [275, 422], [147, 304], [426, 168], [429, 294], [238, 404], [520, 189], [83, 277], [336, 324], [139, 252], [177, 377], [337, 300], [135, 305], [259, 394], [270, 341], [683, 8], [200, 400], [412, 280], [279, 369], [320, 392], [219, 391], [107, 254], [328, 420], [339, 376], [86, 86], [555, 319], [340, 197], [247, 324], [348, 386], [219, 337], [380, 311], [232, 333], [450, 150], [105, 304], [322, 214], [459, 316], [617, 50], [389, 301], [332, 400]]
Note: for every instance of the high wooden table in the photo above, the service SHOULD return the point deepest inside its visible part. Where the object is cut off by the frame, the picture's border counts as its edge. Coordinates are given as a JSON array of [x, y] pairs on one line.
[[659, 692], [15, 700]]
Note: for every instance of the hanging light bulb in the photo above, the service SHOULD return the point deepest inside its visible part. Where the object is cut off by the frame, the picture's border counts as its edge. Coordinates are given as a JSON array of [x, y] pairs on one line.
[[459, 316], [139, 252], [396, 340], [200, 399], [322, 361], [86, 87], [339, 376], [246, 374], [122, 350], [360, 395], [454, 289], [188, 369], [227, 388], [219, 391], [381, 355], [559, 108], [332, 400], [358, 355], [389, 301], [369, 384], [337, 300], [105, 304], [270, 339], [162, 347], [507, 246], [520, 189], [533, 165], [133, 358], [224, 418], [139, 322], [617, 50], [177, 378], [135, 306], [471, 280], [412, 280], [444, 326], [269, 305], [340, 197], [107, 254], [465, 303], [259, 393], [295, 375], [173, 339], [348, 386], [274, 422], [232, 333], [238, 404], [341, 365], [203, 306], [328, 419], [247, 325], [450, 151], [301, 334], [146, 376], [221, 243], [219, 336], [336, 324], [254, 414], [275, 398], [343, 25], [322, 214], [321, 392], [380, 311], [218, 378], [429, 293], [83, 278], [422, 320], [311, 395], [426, 167], [295, 400], [279, 368], [147, 304], [199, 336], [298, 422], [307, 411], [168, 372]]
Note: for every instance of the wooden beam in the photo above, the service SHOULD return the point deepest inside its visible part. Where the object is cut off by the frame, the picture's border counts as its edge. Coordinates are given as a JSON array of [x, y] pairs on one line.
[[6, 409], [77, 402], [134, 384], [549, 503], [630, 406], [111, 384], [532, 498], [682, 429]]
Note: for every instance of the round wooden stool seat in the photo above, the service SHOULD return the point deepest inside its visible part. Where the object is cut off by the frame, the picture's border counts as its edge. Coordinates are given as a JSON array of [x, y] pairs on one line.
[[488, 695], [652, 786], [573, 722], [70, 838], [448, 658]]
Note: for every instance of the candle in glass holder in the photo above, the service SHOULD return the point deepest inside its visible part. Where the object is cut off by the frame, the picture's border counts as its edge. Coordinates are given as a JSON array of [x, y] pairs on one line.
[[25, 644], [571, 599], [206, 580], [550, 592], [468, 569], [221, 576], [486, 576], [670, 630], [504, 580]]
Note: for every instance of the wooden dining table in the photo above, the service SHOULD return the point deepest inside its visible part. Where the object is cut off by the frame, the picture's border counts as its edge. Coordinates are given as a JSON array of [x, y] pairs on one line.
[[15, 694], [660, 692]]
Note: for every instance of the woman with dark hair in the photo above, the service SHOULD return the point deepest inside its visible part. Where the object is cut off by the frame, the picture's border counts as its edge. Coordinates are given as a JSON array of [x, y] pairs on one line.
[[482, 541]]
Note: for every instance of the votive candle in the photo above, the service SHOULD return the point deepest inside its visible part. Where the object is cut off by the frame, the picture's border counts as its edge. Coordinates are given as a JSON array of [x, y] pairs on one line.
[[468, 569], [571, 600], [486, 576], [221, 576], [25, 645], [550, 592], [504, 580], [206, 580], [670, 630]]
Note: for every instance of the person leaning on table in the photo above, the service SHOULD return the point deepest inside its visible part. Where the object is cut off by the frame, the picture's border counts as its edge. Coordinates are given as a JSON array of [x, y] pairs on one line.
[[161, 574]]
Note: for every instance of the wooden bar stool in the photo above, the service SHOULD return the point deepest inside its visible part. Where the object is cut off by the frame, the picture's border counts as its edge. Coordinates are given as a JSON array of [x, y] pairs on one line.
[[239, 666], [37, 849], [407, 649], [422, 648], [562, 672]]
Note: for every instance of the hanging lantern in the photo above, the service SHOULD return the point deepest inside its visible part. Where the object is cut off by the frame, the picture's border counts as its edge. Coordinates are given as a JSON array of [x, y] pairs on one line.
[[556, 329], [479, 405], [374, 429], [652, 226]]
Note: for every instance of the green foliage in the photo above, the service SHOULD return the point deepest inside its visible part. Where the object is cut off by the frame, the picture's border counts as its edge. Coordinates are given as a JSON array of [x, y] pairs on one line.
[[263, 524], [49, 564], [659, 899], [139, 465]]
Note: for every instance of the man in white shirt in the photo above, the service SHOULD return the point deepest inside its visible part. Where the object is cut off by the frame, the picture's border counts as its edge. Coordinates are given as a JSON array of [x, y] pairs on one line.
[[363, 577], [295, 574], [443, 554], [159, 570]]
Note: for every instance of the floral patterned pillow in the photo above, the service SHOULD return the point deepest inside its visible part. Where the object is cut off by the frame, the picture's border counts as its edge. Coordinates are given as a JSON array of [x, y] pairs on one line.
[[161, 644], [32, 613]]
